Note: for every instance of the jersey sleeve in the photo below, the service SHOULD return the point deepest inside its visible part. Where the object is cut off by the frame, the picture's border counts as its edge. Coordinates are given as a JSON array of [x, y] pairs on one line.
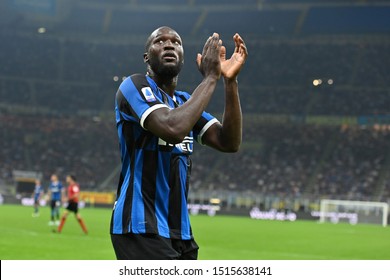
[[136, 99], [205, 121]]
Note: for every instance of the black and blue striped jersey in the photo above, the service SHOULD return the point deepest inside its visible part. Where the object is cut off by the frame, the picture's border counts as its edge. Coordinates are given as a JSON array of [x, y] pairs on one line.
[[56, 191], [154, 180]]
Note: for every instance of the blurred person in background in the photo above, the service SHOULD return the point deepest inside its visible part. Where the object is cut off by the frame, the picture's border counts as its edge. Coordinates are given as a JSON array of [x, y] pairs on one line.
[[55, 193], [37, 195], [73, 201]]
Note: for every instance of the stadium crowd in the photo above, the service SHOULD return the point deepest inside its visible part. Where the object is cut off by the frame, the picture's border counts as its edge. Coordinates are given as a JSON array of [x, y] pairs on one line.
[[278, 159], [295, 159], [52, 87], [354, 79], [61, 145]]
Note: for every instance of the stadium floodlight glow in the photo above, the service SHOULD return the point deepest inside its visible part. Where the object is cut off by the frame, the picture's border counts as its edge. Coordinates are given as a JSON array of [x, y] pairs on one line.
[[370, 212], [316, 82], [115, 78], [41, 30], [215, 201], [330, 82]]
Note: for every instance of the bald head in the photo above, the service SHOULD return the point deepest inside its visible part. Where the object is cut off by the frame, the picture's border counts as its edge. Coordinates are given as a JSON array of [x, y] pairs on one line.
[[157, 32]]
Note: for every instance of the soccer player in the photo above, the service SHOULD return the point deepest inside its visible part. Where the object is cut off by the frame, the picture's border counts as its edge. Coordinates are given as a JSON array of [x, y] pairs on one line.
[[73, 200], [156, 126], [37, 195], [55, 193]]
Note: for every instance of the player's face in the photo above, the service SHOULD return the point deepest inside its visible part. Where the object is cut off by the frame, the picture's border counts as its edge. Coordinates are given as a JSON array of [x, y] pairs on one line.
[[165, 54]]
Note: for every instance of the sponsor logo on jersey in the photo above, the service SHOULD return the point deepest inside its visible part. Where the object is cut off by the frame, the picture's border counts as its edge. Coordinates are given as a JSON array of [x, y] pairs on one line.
[[185, 146], [148, 94]]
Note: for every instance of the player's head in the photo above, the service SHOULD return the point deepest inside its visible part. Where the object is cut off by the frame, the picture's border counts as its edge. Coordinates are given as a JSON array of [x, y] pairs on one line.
[[70, 179], [37, 182], [54, 178], [164, 54]]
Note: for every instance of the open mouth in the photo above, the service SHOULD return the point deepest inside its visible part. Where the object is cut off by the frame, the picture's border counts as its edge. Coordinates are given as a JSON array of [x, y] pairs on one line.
[[169, 57]]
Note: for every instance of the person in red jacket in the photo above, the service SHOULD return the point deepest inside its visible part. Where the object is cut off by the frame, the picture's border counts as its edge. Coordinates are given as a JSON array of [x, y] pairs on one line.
[[73, 201]]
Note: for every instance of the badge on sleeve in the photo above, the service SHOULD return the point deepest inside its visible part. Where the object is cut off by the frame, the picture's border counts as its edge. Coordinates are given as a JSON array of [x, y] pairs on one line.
[[149, 96]]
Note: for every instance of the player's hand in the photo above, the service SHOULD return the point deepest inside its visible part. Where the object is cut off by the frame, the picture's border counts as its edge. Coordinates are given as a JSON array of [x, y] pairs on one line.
[[208, 62], [232, 66]]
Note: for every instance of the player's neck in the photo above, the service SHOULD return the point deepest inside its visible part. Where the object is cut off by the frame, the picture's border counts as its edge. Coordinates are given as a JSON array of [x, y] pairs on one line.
[[168, 85]]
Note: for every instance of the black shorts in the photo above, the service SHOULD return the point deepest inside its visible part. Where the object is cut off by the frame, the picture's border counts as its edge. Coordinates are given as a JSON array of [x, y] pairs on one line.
[[73, 207], [55, 204], [152, 247]]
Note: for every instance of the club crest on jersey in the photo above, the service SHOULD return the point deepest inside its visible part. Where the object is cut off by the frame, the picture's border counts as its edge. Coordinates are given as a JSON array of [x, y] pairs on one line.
[[148, 94]]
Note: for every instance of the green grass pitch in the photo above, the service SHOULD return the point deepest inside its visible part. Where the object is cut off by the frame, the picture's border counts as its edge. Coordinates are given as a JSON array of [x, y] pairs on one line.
[[219, 237]]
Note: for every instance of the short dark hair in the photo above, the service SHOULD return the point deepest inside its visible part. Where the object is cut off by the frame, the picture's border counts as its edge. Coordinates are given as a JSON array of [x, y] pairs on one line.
[[72, 177]]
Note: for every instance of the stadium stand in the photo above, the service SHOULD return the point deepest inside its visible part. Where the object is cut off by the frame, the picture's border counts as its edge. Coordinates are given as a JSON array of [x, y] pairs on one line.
[[347, 19], [315, 92], [82, 20], [262, 22], [127, 22], [29, 57], [58, 144], [352, 67]]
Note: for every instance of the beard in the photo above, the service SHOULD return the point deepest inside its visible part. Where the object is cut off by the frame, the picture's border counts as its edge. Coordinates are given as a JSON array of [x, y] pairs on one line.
[[166, 71]]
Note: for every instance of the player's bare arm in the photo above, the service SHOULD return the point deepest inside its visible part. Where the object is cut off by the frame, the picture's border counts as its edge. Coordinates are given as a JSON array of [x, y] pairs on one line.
[[173, 125], [226, 137]]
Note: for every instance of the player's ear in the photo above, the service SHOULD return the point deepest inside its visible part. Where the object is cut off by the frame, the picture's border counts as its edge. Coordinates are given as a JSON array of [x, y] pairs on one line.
[[146, 58]]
